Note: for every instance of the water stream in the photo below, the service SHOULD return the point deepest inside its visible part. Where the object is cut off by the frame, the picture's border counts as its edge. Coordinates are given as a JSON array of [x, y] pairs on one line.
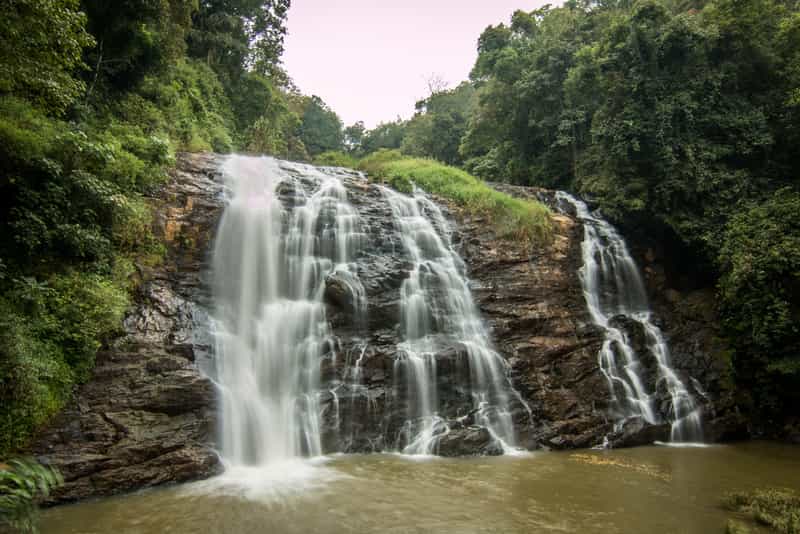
[[615, 295], [436, 303]]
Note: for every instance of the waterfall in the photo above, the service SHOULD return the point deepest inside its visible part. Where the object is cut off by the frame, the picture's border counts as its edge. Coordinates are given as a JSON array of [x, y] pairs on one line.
[[615, 296], [269, 268], [437, 311]]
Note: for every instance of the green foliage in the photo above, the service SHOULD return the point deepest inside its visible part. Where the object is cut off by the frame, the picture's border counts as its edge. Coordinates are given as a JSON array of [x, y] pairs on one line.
[[354, 137], [232, 34], [186, 105], [775, 508], [22, 483], [760, 298], [374, 162], [524, 221], [134, 38], [436, 129], [386, 135], [50, 333], [336, 159], [321, 128], [41, 45], [276, 131]]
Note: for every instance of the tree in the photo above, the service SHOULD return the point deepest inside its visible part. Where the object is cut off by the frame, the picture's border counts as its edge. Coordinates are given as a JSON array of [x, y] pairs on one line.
[[354, 137], [436, 129], [135, 38], [321, 128], [387, 135], [233, 36], [41, 48]]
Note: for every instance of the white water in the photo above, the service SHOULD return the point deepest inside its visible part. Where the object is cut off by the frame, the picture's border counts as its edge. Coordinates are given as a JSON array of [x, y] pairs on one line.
[[436, 304], [269, 268], [612, 286]]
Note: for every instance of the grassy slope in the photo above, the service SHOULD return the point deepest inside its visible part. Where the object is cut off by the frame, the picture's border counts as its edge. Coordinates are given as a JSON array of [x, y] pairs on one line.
[[524, 221]]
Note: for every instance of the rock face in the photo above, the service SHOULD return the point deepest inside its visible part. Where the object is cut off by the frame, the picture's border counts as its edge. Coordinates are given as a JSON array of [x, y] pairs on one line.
[[534, 304], [146, 417]]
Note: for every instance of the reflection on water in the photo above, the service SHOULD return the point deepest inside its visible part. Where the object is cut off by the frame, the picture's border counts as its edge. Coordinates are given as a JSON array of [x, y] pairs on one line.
[[648, 489]]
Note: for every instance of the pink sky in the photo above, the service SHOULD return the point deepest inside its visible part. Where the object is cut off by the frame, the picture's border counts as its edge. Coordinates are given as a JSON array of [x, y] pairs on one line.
[[370, 59]]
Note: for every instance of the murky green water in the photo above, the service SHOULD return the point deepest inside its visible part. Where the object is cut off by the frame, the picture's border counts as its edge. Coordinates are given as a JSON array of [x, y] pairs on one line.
[[648, 489]]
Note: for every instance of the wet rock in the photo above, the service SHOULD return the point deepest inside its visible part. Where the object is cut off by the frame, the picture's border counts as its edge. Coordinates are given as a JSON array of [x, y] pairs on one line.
[[470, 441], [633, 329], [636, 431], [345, 290], [533, 302]]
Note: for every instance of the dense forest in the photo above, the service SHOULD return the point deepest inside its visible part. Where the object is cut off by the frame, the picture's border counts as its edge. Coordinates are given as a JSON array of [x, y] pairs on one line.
[[680, 120]]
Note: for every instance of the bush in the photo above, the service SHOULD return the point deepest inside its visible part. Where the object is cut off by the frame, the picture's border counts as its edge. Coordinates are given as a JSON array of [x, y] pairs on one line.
[[49, 334], [775, 508], [22, 483], [35, 381], [333, 158], [373, 163]]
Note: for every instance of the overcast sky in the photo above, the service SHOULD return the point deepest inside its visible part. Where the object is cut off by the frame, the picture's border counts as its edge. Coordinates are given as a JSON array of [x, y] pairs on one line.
[[370, 59]]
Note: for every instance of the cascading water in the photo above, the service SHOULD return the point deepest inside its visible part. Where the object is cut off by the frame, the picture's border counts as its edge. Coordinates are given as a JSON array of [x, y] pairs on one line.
[[270, 266], [437, 309], [613, 289], [287, 248]]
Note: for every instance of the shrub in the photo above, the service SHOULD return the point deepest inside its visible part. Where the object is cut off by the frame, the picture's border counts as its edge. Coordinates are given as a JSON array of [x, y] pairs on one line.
[[49, 334], [775, 508], [22, 483], [334, 158], [760, 295], [374, 162]]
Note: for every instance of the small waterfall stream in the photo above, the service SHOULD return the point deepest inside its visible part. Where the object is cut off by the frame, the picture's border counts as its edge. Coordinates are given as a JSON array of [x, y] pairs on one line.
[[615, 295], [436, 304]]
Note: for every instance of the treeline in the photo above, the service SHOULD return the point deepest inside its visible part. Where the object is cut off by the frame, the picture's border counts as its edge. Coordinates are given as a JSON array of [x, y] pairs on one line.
[[680, 119], [96, 97]]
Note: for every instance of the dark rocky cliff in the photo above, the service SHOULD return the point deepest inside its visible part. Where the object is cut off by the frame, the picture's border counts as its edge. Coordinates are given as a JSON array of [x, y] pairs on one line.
[[147, 415]]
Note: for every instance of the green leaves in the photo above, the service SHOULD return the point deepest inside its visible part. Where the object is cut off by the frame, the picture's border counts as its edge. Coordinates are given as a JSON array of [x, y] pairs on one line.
[[41, 48], [321, 128], [22, 483]]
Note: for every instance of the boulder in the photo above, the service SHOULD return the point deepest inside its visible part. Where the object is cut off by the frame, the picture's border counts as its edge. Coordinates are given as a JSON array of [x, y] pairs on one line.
[[469, 441]]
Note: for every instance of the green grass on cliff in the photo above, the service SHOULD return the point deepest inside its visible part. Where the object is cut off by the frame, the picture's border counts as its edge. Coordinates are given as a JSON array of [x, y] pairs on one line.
[[515, 219]]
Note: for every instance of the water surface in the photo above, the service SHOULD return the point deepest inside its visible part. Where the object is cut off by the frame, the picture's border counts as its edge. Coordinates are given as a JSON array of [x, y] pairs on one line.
[[647, 489]]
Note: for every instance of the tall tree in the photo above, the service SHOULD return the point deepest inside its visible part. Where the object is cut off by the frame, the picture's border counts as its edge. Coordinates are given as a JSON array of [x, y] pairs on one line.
[[321, 128], [233, 36], [41, 48]]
